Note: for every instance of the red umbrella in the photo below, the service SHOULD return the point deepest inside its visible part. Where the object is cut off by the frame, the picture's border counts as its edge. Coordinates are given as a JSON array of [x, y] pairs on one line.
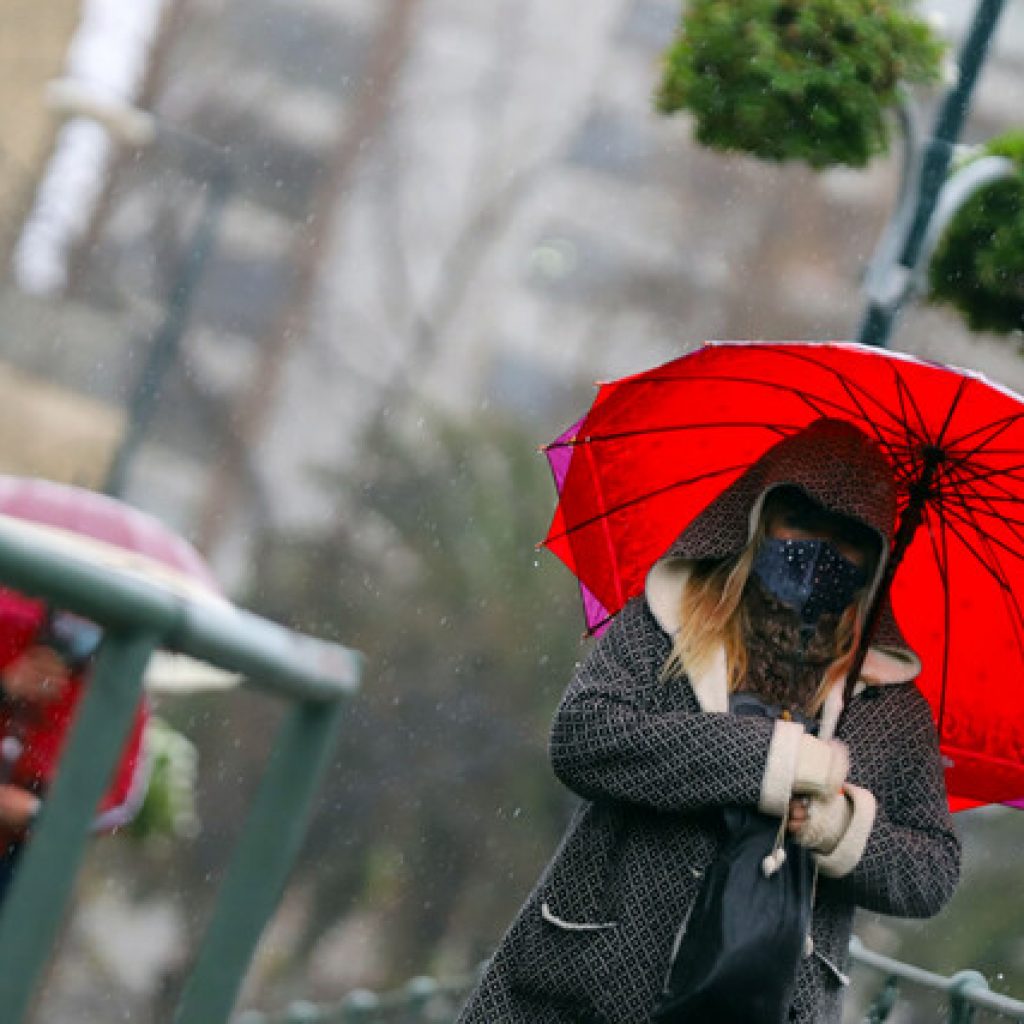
[[657, 447]]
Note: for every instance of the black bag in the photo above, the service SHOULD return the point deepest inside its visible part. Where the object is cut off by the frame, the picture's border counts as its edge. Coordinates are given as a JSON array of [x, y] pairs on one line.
[[737, 960]]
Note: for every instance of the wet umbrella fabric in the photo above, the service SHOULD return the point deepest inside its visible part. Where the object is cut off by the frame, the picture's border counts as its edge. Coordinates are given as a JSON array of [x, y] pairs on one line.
[[658, 447]]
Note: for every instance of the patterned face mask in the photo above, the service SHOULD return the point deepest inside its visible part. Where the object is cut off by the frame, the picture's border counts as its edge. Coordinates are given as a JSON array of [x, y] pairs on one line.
[[810, 576]]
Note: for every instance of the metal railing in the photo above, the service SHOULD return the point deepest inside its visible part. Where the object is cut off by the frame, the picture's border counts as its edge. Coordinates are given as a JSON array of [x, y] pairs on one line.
[[967, 991], [420, 1001], [138, 617], [427, 1001]]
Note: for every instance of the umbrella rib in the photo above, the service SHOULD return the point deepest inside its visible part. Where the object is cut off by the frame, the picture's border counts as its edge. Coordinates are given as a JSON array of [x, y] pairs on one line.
[[639, 499], [964, 517], [979, 509], [599, 490], [990, 474], [908, 466], [995, 569], [960, 490], [900, 426], [903, 389], [904, 463], [815, 401], [984, 450], [673, 428], [999, 579], [968, 514], [802, 393], [941, 436], [591, 630], [997, 427]]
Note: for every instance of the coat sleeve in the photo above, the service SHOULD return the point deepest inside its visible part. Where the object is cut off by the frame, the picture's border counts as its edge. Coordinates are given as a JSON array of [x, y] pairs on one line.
[[901, 854], [611, 740]]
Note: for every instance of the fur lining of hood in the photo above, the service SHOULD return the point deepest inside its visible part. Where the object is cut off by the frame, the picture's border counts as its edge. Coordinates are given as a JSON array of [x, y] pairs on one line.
[[883, 665]]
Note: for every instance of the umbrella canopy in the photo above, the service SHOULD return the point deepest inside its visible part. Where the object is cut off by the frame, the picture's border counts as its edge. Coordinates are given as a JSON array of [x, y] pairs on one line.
[[123, 539], [657, 447]]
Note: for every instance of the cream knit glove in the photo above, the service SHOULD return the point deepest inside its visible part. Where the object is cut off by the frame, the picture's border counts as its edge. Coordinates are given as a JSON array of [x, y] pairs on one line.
[[828, 818], [821, 767]]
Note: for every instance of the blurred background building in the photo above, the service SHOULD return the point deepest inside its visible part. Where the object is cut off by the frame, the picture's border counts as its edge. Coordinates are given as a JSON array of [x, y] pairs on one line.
[[358, 217], [429, 203]]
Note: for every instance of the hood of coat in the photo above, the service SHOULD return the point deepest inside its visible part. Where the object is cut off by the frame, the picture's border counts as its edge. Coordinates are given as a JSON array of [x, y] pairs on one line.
[[840, 468]]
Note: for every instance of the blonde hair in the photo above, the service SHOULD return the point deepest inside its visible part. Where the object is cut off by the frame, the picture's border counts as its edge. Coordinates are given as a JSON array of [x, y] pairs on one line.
[[713, 616]]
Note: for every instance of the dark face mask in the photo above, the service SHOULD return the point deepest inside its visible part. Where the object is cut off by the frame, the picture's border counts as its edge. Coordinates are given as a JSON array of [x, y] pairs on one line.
[[810, 576]]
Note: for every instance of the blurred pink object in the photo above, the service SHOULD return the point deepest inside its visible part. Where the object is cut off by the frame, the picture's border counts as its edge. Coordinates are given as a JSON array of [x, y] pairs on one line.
[[112, 522]]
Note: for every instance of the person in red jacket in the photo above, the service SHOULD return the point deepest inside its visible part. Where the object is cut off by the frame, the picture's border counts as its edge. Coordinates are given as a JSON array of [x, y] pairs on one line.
[[46, 657]]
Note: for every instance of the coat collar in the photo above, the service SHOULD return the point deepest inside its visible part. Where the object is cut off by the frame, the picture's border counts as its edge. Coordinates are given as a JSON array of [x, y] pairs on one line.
[[883, 666]]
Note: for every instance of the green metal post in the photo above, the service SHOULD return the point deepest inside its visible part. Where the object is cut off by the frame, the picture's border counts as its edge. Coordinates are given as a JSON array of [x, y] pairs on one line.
[[33, 910], [884, 1002], [264, 854], [878, 319], [419, 994], [961, 1010]]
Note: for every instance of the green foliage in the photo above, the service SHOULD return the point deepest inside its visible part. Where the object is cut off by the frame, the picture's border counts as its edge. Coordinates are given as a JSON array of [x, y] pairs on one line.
[[796, 79], [978, 266], [168, 809]]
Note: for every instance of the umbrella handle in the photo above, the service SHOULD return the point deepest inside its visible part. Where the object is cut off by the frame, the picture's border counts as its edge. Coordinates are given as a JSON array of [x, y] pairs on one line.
[[910, 520]]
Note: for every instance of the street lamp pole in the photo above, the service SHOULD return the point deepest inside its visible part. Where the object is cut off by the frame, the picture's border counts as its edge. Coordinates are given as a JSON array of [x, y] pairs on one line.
[[138, 128], [164, 349], [896, 280]]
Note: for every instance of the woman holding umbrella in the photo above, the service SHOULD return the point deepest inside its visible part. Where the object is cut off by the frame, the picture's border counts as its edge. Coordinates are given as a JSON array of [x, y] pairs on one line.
[[721, 691]]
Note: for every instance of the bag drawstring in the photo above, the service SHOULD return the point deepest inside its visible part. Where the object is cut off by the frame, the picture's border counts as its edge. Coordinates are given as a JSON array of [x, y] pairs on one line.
[[774, 861]]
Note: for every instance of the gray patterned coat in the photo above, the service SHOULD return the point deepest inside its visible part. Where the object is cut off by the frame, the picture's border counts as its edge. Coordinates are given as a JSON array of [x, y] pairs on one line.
[[653, 761]]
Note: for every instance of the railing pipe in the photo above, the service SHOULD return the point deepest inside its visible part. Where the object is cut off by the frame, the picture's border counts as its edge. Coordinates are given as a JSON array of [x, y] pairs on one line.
[[32, 565], [268, 655], [213, 630], [967, 989]]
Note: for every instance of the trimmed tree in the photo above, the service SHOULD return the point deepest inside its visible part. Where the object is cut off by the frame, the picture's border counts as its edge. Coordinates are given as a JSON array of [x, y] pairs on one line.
[[978, 266], [807, 80]]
